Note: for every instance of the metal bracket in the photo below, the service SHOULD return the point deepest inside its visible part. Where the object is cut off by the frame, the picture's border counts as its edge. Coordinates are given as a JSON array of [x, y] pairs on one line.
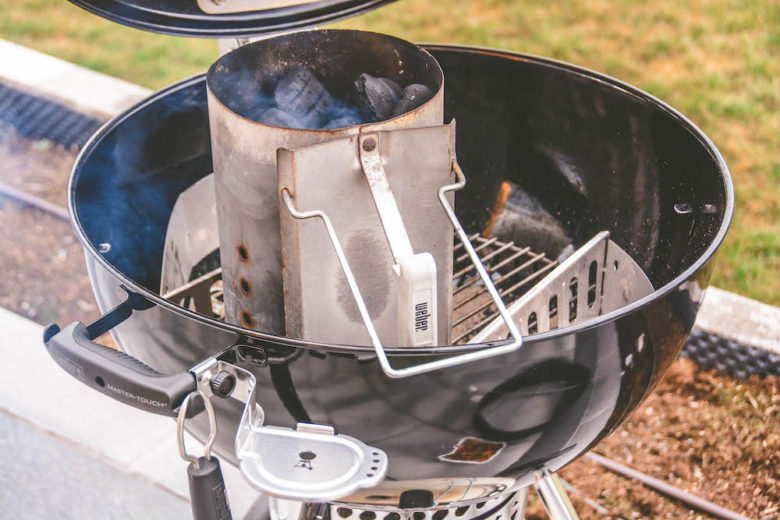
[[310, 462], [386, 206], [417, 295], [516, 341]]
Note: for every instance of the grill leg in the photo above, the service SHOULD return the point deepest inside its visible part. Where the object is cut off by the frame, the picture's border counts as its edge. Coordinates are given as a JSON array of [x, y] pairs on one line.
[[556, 501]]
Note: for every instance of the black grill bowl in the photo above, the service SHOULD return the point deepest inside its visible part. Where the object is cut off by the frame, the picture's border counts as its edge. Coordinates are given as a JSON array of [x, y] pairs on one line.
[[535, 122]]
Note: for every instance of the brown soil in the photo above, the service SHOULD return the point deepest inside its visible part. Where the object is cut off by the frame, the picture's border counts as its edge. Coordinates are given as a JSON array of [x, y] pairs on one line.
[[43, 264], [39, 168], [701, 431]]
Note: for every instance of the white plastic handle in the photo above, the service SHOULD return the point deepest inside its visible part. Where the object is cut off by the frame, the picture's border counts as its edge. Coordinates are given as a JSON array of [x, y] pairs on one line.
[[417, 301]]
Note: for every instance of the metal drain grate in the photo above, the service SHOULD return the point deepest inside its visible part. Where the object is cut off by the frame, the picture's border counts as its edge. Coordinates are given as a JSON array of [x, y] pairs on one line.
[[727, 356], [37, 118], [514, 270]]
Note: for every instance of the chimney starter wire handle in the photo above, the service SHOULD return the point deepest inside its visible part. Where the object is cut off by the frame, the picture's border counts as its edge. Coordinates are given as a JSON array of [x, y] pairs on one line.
[[447, 362]]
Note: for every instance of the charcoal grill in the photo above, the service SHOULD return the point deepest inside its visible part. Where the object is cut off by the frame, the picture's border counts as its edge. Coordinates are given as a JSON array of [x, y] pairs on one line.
[[628, 200]]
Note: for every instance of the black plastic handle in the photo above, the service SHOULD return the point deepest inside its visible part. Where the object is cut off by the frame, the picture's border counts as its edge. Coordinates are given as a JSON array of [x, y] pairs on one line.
[[115, 373]]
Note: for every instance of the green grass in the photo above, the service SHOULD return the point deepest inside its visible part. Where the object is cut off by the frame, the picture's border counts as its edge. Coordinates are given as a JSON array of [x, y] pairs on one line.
[[717, 61]]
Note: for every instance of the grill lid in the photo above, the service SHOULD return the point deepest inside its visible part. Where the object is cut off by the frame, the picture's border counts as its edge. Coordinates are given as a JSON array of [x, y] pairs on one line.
[[226, 18]]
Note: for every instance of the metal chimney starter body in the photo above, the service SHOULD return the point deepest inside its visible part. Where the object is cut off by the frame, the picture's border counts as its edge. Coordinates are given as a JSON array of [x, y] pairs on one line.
[[244, 150]]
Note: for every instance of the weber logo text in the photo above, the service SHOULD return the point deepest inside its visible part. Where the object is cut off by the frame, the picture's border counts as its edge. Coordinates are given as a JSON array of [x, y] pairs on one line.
[[421, 317]]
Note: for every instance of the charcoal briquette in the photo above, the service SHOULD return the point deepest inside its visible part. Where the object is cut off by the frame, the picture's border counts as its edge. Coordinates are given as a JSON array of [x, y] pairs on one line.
[[393, 86], [276, 117], [300, 94], [376, 97], [415, 95]]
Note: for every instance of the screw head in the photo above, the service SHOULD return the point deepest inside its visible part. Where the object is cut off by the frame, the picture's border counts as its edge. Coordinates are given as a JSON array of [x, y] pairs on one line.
[[223, 384], [369, 144]]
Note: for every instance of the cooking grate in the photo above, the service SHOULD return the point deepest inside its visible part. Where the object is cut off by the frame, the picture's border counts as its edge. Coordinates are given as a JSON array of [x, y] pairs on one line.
[[513, 269]]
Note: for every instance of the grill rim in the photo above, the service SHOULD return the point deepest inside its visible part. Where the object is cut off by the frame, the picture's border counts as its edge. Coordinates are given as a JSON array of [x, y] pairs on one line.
[[655, 296]]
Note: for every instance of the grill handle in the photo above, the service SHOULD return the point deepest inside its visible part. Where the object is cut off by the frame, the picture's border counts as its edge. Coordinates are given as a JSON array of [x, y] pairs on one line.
[[114, 373]]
